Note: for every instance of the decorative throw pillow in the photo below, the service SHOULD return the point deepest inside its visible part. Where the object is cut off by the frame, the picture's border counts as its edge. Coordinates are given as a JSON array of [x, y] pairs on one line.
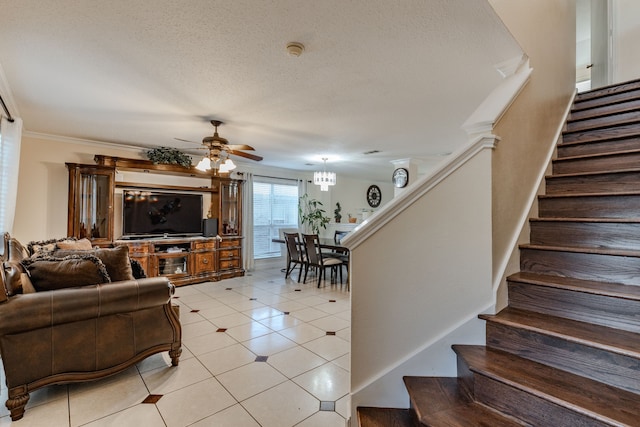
[[136, 269], [116, 260], [74, 245], [49, 273], [46, 246]]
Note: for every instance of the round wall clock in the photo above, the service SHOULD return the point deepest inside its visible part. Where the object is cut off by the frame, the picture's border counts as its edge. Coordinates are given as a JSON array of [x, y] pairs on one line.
[[374, 196], [400, 177]]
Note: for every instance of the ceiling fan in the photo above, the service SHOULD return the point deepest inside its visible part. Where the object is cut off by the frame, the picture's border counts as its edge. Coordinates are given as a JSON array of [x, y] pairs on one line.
[[219, 150]]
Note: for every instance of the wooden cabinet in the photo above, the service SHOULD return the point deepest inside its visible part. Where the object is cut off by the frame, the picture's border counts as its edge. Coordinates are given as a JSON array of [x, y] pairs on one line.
[[92, 190]]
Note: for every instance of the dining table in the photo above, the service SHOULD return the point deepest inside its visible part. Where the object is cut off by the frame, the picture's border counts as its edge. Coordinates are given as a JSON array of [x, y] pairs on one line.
[[325, 243]]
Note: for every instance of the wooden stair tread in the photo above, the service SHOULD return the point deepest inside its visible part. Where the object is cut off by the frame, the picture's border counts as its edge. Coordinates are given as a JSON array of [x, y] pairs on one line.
[[591, 173], [604, 111], [444, 401], [615, 132], [556, 196], [604, 91], [583, 395], [384, 417], [613, 340], [605, 122], [584, 250], [615, 290], [588, 220], [595, 156]]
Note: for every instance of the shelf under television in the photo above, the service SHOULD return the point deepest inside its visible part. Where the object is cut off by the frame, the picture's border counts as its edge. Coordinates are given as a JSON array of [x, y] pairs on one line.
[[123, 184]]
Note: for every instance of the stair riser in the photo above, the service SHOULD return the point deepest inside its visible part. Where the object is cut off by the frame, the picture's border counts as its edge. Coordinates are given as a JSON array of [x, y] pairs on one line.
[[602, 122], [591, 184], [627, 131], [610, 368], [586, 234], [585, 307], [605, 110], [601, 147], [597, 164], [607, 268], [522, 405], [623, 206], [622, 95]]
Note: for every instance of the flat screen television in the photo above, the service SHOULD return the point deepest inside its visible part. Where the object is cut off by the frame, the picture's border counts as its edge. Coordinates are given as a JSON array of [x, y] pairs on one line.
[[157, 213]]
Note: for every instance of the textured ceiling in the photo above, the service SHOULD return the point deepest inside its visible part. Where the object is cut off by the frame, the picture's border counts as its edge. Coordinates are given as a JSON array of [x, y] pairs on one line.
[[396, 76]]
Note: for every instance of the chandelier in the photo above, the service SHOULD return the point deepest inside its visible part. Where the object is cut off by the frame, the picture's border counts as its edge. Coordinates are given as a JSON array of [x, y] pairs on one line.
[[324, 179], [214, 161]]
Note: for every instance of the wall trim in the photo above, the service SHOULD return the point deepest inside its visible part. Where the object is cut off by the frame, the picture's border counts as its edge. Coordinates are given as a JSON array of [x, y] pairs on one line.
[[490, 308], [418, 189]]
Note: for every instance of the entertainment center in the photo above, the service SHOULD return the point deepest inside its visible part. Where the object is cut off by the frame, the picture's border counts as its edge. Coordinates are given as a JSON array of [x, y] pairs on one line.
[[162, 224]]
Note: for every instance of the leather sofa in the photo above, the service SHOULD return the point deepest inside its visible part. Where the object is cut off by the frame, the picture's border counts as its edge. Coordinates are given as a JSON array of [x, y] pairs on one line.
[[78, 333]]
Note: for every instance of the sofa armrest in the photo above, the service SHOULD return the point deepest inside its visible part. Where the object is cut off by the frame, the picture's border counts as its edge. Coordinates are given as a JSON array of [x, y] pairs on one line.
[[44, 309]]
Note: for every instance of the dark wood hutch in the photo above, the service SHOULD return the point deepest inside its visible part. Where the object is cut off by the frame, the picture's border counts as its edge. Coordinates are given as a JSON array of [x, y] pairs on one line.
[[92, 190]]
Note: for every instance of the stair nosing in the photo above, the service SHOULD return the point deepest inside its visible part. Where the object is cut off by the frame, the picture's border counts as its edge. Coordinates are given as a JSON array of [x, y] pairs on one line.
[[495, 318], [565, 144], [586, 93]]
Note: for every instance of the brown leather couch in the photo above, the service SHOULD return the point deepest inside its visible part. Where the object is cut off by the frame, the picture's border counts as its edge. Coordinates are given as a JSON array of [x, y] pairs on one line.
[[79, 333]]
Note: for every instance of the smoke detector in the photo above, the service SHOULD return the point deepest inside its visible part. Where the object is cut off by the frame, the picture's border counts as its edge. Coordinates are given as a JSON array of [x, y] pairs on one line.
[[295, 48]]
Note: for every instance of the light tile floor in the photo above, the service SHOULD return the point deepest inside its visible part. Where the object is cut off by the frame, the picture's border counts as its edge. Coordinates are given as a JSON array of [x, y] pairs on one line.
[[302, 331]]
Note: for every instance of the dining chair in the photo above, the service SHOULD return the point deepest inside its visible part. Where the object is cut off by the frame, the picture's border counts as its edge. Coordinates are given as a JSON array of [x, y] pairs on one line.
[[342, 255], [295, 255], [317, 261]]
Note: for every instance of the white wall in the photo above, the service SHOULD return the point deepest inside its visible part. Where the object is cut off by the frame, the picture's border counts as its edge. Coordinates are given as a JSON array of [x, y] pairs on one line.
[[419, 280], [626, 27]]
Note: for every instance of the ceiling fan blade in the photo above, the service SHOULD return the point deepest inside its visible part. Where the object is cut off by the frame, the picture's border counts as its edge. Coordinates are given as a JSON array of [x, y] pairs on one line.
[[245, 155], [239, 147], [186, 140]]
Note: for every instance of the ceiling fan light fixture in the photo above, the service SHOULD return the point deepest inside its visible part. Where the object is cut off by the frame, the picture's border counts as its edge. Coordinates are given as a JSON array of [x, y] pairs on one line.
[[227, 166], [204, 164], [324, 179]]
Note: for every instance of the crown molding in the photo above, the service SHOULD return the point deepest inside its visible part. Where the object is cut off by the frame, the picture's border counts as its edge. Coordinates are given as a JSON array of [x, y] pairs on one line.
[[81, 141]]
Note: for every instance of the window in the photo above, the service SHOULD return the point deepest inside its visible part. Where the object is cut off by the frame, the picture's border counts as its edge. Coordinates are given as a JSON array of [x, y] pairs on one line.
[[275, 206]]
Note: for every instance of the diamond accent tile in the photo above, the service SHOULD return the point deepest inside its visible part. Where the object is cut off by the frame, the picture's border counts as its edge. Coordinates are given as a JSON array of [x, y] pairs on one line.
[[331, 333], [221, 330], [326, 405], [261, 358], [152, 398]]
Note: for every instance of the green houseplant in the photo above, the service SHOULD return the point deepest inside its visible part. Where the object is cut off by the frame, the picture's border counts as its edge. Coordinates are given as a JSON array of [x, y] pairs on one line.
[[311, 213], [168, 156], [336, 213]]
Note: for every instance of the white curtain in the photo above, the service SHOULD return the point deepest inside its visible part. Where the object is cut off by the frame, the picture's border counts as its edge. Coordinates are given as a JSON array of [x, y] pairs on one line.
[[10, 138], [247, 221], [302, 190]]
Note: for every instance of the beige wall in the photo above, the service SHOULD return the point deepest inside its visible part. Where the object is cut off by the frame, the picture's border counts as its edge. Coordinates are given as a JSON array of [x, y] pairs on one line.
[[41, 211], [546, 31], [626, 26]]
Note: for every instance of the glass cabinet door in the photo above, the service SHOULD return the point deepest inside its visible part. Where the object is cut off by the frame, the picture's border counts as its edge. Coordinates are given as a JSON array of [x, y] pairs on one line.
[[229, 208], [91, 203]]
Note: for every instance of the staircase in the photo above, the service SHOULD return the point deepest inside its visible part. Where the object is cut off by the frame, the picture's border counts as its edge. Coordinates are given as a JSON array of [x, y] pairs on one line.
[[566, 350]]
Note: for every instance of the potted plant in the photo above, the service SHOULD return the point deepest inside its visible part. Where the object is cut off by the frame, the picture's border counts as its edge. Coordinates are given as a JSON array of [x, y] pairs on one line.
[[336, 213], [168, 156], [311, 213]]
